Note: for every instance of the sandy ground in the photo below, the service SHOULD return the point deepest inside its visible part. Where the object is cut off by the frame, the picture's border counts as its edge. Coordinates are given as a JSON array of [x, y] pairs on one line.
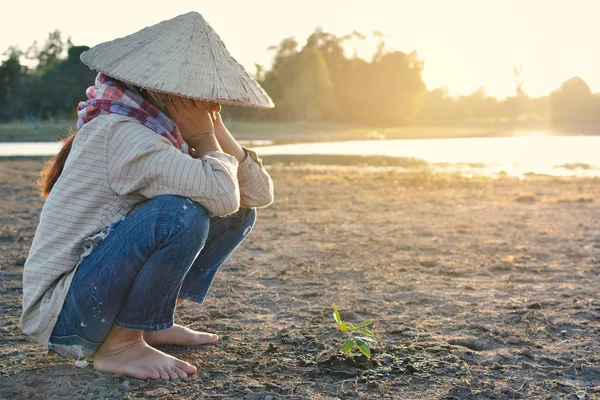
[[479, 289]]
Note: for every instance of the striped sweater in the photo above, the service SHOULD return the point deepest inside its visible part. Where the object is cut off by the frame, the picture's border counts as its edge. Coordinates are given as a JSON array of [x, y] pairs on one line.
[[115, 164]]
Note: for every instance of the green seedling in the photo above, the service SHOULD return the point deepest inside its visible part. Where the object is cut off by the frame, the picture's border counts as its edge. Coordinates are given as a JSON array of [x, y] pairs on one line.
[[350, 331]]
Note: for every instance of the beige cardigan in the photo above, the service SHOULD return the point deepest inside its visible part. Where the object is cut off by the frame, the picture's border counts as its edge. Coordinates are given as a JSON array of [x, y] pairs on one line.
[[114, 165]]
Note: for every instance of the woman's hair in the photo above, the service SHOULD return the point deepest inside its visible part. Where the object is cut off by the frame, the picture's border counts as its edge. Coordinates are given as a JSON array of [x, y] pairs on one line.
[[53, 168]]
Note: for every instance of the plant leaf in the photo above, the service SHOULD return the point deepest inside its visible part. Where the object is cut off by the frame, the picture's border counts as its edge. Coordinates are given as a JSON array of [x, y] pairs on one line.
[[365, 331], [351, 326], [348, 346], [366, 339], [338, 318], [336, 314], [363, 347], [366, 322], [343, 326]]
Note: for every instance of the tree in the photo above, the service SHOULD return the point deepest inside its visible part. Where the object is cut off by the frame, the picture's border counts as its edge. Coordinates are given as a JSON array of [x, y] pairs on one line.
[[11, 82], [310, 94], [438, 108], [573, 102], [395, 90], [51, 53], [283, 70], [55, 86], [57, 90], [318, 82]]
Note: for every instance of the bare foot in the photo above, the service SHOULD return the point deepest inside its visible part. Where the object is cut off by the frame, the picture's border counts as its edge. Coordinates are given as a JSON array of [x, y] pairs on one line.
[[125, 352], [180, 336]]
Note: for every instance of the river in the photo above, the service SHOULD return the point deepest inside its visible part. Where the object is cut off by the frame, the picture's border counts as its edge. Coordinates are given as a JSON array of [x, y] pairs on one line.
[[541, 154]]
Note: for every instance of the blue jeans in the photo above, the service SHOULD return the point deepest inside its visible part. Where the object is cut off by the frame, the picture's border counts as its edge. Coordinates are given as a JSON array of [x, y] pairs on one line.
[[168, 249]]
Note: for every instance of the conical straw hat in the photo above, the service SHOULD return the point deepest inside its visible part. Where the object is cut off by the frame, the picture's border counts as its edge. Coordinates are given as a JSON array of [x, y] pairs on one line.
[[181, 56]]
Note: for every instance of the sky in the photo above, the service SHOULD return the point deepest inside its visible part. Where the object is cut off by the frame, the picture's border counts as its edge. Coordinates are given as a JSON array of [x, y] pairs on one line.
[[465, 44]]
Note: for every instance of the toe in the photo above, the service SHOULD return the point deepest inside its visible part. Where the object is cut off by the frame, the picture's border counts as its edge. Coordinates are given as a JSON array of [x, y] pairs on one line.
[[181, 373], [152, 373], [185, 367], [206, 338], [172, 374], [141, 372], [163, 374]]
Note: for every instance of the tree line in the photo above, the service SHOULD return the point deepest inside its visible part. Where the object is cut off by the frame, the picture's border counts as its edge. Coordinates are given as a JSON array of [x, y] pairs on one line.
[[313, 82], [50, 89]]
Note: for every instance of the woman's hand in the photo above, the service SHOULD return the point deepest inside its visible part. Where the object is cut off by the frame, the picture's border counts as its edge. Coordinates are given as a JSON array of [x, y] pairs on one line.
[[195, 124], [214, 110], [192, 117], [225, 139]]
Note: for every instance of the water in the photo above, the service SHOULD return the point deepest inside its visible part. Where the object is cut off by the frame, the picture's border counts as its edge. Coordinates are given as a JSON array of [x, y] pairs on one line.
[[553, 155], [51, 148], [29, 149]]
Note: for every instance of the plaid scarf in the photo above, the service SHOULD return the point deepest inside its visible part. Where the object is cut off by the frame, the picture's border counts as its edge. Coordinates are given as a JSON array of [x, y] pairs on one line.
[[110, 96]]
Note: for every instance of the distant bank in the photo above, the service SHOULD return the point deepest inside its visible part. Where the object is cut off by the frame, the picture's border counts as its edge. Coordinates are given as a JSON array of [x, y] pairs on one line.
[[294, 132]]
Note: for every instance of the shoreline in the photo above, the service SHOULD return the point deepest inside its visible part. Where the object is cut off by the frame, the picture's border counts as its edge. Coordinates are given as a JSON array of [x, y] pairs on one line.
[[373, 164], [282, 133]]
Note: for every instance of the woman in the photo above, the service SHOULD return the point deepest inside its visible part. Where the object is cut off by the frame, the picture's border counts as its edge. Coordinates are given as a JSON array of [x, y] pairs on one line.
[[144, 203]]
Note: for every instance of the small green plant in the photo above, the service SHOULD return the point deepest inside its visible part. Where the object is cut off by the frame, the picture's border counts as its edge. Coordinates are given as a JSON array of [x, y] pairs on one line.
[[350, 330]]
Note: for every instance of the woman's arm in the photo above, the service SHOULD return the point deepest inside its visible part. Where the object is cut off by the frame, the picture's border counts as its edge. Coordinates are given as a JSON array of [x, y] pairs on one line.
[[256, 186], [142, 162], [227, 141]]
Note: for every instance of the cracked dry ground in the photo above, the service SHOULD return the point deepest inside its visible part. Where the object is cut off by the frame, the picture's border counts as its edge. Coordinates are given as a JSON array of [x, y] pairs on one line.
[[479, 289]]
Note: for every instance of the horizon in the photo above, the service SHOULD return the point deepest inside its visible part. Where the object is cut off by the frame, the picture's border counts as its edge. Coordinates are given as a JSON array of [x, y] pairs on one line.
[[507, 34]]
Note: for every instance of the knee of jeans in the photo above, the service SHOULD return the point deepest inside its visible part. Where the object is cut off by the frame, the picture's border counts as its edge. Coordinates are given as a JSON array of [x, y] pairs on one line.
[[248, 216], [177, 214]]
